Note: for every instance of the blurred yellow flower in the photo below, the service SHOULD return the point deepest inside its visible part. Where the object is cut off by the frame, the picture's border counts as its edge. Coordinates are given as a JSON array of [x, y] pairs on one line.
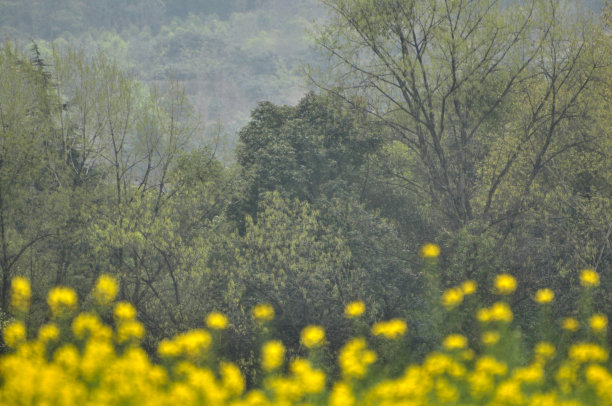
[[505, 284], [14, 334], [130, 330], [61, 300], [355, 357], [544, 349], [105, 290], [490, 337], [455, 342], [21, 294], [391, 329], [499, 311], [544, 296], [589, 278], [430, 250], [272, 355], [263, 312], [124, 311], [598, 323], [232, 379], [341, 395], [216, 321], [313, 336], [354, 309], [570, 324], [48, 332], [452, 298], [468, 287]]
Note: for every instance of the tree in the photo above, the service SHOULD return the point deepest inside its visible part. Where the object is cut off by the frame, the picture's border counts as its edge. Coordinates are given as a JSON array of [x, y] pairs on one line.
[[26, 161], [483, 95]]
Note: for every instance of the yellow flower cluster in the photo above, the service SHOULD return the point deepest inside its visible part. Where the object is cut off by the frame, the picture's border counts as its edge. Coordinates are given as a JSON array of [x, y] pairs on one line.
[[313, 336], [499, 311], [354, 309], [454, 296], [61, 301], [105, 290], [355, 358], [430, 250], [216, 321], [391, 329], [263, 312], [272, 355], [21, 294], [80, 360], [543, 296], [589, 278], [505, 284]]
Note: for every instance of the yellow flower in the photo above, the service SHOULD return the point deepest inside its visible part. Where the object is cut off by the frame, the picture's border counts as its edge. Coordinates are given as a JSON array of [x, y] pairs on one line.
[[272, 355], [354, 309], [570, 324], [61, 300], [587, 352], [505, 284], [263, 312], [589, 278], [130, 330], [14, 334], [544, 296], [455, 342], [430, 251], [124, 311], [354, 358], [544, 349], [469, 287], [105, 290], [598, 323], [21, 293], [233, 381], [341, 395], [499, 311], [313, 336], [216, 321], [490, 337], [452, 298], [391, 329], [48, 332]]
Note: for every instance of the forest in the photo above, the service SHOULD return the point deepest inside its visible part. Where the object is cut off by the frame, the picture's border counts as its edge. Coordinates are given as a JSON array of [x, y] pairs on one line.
[[344, 202]]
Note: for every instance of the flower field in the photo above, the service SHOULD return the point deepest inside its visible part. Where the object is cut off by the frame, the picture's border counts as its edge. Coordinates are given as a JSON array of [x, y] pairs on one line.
[[77, 359]]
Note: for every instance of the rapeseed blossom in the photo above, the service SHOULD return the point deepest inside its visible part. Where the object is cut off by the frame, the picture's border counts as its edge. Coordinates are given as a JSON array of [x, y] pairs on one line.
[[505, 284], [105, 290], [589, 278], [62, 300], [598, 323], [79, 359], [354, 309], [216, 321], [430, 250], [391, 329], [544, 296], [455, 342], [21, 294], [355, 358], [469, 287], [570, 324], [452, 298], [272, 355], [263, 312], [313, 336]]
